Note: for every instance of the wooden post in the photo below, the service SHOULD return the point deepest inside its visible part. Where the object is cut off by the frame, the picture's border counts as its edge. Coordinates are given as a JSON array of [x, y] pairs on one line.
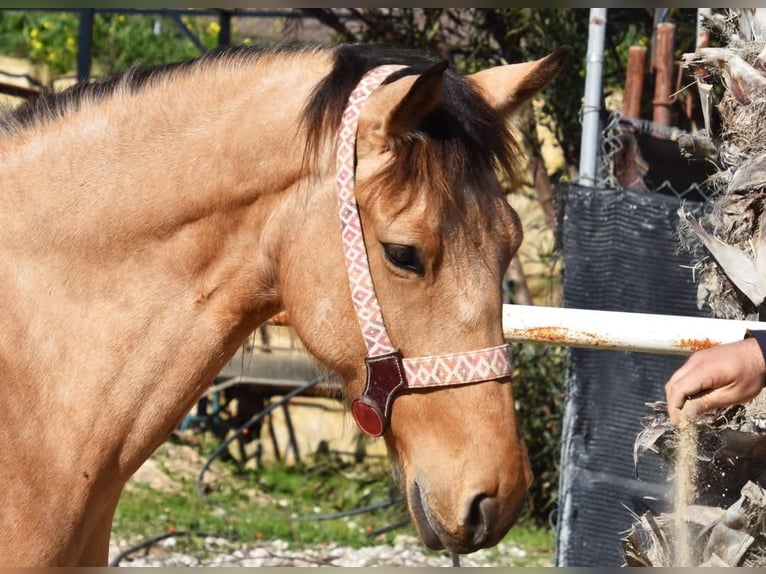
[[626, 160], [663, 82], [634, 82]]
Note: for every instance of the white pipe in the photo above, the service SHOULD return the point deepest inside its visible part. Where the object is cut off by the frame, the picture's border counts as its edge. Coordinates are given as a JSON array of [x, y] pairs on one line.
[[702, 32], [590, 137], [616, 330]]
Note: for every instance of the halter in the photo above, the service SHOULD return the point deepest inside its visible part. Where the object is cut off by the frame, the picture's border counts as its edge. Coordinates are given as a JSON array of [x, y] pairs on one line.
[[387, 372]]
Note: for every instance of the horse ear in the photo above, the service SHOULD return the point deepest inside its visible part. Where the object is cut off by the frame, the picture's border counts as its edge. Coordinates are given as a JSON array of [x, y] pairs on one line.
[[506, 88], [395, 110], [421, 98]]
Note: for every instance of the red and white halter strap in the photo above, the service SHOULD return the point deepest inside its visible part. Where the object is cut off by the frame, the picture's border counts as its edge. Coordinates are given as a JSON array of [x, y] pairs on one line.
[[387, 371]]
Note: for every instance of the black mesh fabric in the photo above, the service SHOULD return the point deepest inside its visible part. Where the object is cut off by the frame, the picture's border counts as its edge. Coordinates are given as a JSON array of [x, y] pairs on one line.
[[620, 254]]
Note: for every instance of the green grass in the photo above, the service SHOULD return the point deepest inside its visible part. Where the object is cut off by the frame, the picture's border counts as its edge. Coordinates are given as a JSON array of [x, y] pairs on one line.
[[256, 505]]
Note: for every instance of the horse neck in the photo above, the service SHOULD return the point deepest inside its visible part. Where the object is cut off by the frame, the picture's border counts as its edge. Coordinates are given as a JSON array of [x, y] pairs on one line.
[[143, 228], [214, 138]]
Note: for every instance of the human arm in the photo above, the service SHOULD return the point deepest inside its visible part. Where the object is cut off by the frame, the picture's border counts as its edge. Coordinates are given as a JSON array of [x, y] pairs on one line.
[[720, 376]]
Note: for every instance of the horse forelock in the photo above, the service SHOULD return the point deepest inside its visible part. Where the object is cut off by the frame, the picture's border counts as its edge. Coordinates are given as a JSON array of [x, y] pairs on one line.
[[458, 151]]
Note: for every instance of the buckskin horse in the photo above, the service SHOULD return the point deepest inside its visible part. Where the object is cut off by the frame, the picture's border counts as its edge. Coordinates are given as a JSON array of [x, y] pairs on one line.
[[150, 222]]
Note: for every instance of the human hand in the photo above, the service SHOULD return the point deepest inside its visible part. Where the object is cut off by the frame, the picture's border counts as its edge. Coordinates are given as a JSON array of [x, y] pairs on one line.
[[721, 376]]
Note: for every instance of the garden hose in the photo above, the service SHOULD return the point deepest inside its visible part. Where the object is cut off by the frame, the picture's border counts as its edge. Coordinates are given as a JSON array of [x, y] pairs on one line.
[[254, 419]]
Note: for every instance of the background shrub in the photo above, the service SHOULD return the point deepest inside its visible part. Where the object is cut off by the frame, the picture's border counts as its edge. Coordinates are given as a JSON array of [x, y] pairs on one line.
[[538, 387]]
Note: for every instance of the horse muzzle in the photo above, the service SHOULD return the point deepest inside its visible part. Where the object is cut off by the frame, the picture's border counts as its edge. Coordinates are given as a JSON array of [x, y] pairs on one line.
[[482, 522]]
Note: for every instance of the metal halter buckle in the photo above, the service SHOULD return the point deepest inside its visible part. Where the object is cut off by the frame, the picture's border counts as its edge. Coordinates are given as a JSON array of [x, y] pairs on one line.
[[372, 409]]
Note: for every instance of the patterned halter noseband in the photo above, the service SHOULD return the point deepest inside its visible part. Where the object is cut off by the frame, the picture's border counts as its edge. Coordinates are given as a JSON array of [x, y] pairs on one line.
[[387, 372]]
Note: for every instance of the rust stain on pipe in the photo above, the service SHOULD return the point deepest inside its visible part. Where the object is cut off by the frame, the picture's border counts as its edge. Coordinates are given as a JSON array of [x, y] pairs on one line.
[[560, 335], [694, 344]]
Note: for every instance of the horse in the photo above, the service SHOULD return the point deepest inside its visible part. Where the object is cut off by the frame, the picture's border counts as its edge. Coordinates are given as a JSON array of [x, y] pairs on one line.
[[151, 221]]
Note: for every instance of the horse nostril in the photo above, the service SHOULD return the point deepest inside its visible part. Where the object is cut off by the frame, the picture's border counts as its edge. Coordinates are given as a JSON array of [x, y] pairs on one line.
[[482, 514]]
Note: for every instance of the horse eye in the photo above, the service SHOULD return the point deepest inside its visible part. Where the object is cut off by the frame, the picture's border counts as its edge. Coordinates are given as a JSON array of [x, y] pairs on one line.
[[405, 257]]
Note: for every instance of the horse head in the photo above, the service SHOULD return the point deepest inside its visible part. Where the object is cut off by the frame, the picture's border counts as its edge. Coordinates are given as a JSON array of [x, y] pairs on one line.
[[429, 157]]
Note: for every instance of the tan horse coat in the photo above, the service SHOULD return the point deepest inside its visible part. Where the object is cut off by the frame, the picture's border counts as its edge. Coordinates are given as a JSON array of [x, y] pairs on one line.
[[145, 234]]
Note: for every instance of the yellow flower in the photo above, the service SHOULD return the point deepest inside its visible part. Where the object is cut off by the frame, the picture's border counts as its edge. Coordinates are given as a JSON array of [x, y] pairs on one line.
[[71, 43], [214, 27], [47, 25], [37, 45], [34, 33], [122, 18]]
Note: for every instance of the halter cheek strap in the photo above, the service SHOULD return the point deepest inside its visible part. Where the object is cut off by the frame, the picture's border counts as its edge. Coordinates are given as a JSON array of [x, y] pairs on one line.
[[387, 372]]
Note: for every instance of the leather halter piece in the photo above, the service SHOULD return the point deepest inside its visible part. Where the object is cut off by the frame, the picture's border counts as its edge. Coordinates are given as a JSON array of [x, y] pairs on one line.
[[387, 372]]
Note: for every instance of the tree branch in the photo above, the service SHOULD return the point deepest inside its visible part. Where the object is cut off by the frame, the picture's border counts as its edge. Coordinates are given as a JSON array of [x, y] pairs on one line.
[[330, 19]]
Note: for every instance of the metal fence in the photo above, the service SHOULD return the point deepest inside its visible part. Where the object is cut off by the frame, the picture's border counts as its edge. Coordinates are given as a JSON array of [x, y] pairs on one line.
[[625, 140]]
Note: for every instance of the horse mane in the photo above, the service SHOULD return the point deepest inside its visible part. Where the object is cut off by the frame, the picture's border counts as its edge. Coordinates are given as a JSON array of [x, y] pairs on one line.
[[463, 140], [49, 105]]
